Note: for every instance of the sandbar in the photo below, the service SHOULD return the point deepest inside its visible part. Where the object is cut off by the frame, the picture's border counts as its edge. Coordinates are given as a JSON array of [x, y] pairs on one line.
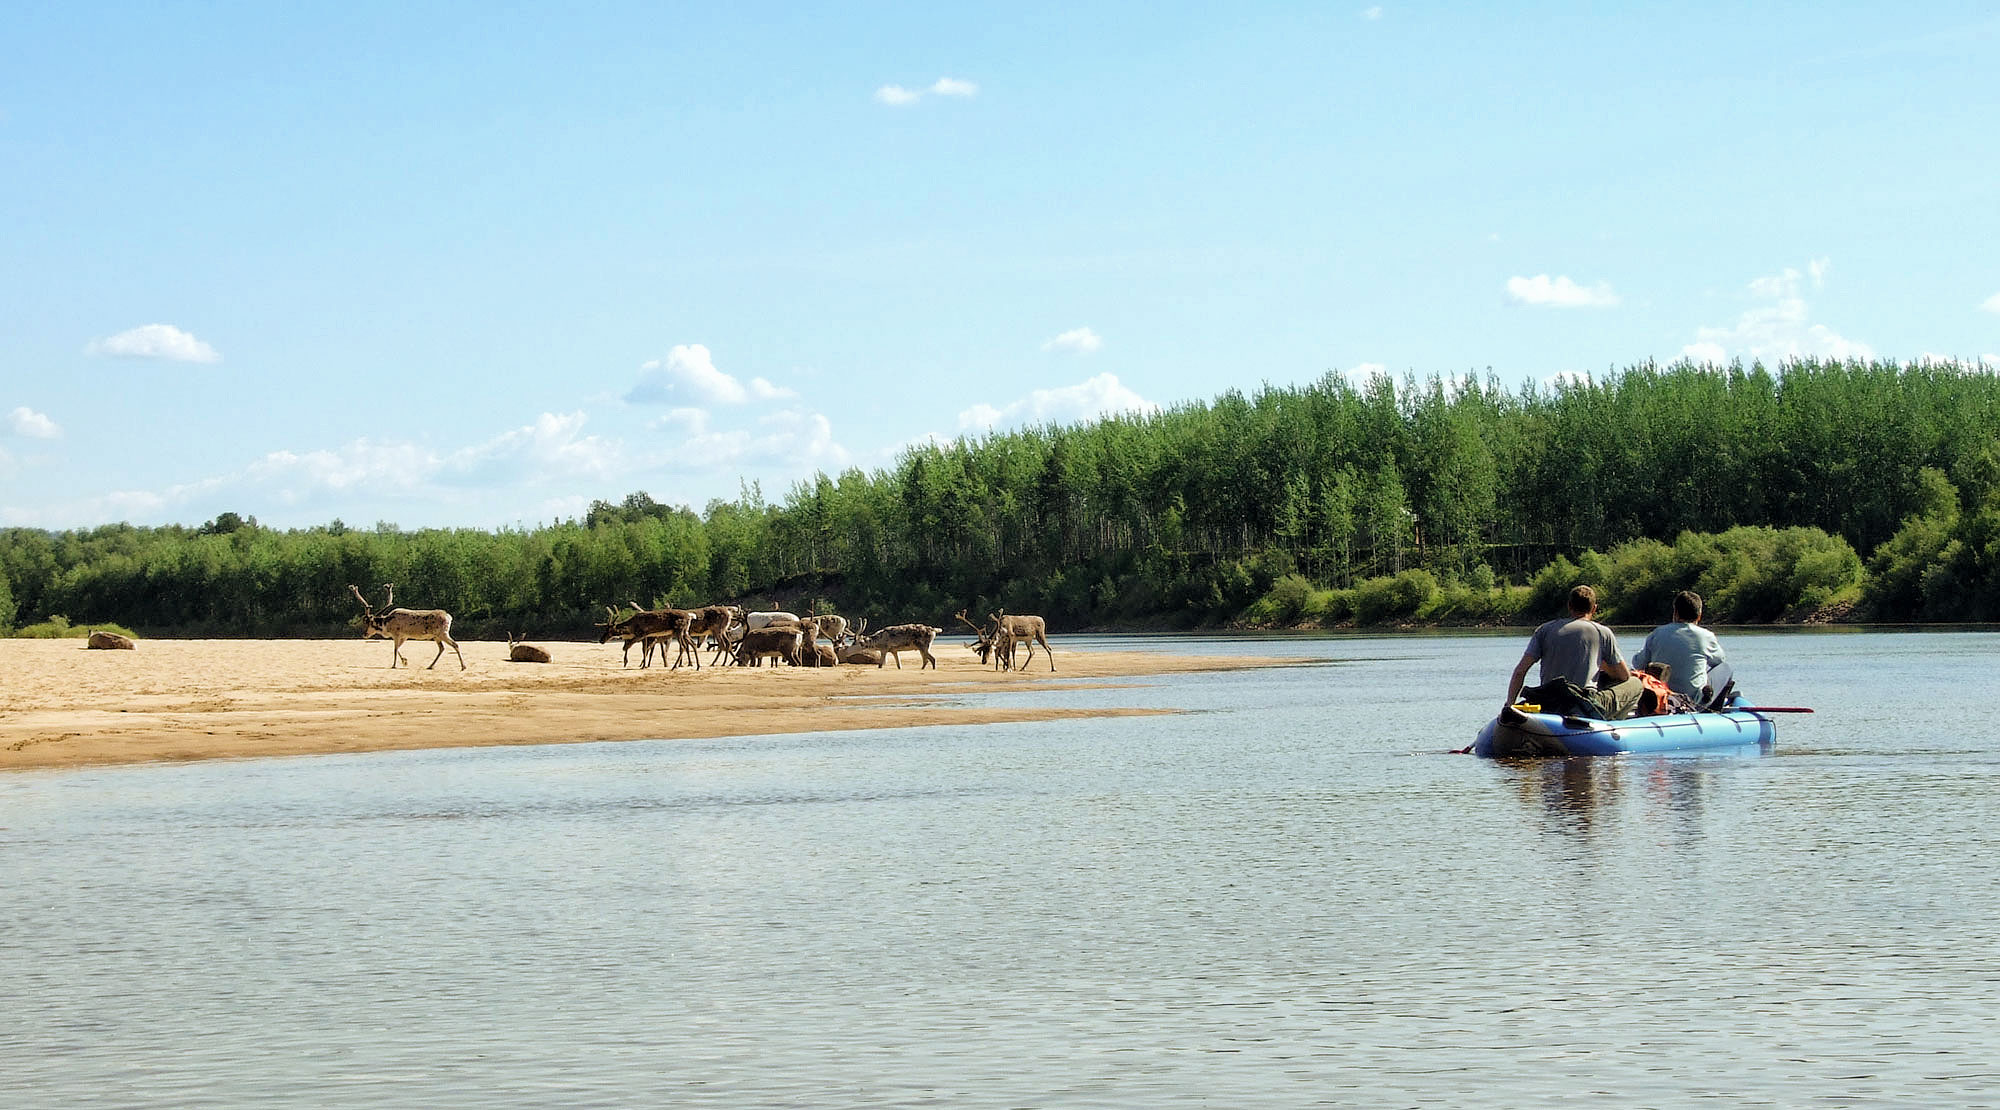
[[64, 706]]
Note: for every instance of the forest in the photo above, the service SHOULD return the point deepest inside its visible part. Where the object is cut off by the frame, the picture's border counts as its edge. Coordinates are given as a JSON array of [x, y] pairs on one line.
[[1814, 490]]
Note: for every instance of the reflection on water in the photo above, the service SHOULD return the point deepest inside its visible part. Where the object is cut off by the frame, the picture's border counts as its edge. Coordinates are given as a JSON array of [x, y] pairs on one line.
[[1287, 896]]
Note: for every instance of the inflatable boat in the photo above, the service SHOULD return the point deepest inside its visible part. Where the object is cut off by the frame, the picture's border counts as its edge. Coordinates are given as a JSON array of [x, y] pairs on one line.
[[1732, 729]]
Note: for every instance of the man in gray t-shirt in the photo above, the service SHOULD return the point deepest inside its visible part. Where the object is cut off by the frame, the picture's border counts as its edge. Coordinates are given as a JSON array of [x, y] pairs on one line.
[[1577, 649]]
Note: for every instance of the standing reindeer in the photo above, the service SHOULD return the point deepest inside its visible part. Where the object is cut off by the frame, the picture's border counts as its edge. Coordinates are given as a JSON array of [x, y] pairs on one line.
[[406, 624], [647, 627], [1009, 631]]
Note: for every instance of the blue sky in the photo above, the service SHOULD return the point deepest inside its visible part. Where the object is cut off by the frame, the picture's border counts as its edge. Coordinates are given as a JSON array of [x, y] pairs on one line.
[[477, 264]]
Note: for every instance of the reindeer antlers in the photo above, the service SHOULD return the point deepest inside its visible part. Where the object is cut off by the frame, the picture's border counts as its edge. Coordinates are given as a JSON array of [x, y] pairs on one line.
[[365, 607]]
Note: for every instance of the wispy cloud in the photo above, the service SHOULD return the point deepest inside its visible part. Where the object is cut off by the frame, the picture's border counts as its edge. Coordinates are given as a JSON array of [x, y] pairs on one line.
[[1991, 304], [1101, 396], [1779, 326], [24, 421], [1543, 291], [689, 372], [1372, 13], [553, 462], [898, 96], [158, 341], [1081, 341]]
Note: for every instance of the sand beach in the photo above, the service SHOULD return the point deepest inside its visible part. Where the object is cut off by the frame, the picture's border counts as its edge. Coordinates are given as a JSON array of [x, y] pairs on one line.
[[64, 706]]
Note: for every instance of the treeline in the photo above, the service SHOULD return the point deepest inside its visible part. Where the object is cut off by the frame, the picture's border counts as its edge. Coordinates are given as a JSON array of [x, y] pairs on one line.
[[1875, 485]]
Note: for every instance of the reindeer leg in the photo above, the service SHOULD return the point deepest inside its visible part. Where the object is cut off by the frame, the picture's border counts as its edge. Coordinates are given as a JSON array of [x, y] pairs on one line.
[[438, 656]]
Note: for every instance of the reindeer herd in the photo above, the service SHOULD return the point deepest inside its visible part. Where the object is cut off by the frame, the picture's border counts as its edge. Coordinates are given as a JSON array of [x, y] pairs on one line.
[[728, 635]]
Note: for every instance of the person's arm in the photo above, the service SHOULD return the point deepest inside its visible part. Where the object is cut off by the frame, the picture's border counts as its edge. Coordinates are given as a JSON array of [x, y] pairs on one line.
[[1610, 663], [1714, 650], [1519, 676]]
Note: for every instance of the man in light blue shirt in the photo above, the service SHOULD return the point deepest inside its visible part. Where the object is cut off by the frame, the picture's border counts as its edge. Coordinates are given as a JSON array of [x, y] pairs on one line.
[[1691, 650]]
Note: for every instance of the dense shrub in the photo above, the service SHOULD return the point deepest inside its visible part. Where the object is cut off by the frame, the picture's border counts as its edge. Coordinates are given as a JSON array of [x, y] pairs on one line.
[[1401, 596]]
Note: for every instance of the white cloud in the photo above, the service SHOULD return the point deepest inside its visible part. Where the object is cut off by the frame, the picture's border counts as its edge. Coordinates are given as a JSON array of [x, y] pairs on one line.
[[552, 462], [161, 341], [25, 421], [689, 370], [1080, 341], [1780, 328], [686, 421], [1098, 397], [1543, 291], [1372, 13], [898, 96], [1991, 304], [554, 445]]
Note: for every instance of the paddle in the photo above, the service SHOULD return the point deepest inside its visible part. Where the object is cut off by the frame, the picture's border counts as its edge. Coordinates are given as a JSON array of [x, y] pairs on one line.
[[1769, 709]]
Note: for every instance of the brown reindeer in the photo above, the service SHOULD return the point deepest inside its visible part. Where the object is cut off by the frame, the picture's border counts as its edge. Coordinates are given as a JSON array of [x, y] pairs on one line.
[[982, 644], [710, 624], [406, 624], [775, 642], [520, 652], [644, 627], [109, 641]]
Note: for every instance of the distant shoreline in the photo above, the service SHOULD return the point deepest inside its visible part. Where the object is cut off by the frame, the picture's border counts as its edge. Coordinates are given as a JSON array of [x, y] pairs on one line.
[[67, 707]]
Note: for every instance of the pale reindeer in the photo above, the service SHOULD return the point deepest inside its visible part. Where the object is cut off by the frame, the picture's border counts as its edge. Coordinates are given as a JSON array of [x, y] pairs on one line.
[[898, 638], [1008, 631], [856, 654], [406, 624], [109, 641], [520, 652]]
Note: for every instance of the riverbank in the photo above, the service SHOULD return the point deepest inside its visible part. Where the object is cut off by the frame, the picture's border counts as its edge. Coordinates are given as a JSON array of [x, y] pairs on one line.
[[64, 706]]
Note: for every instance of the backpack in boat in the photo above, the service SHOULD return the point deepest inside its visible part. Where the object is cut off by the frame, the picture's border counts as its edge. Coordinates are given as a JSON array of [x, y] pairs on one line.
[[1654, 697], [1563, 698]]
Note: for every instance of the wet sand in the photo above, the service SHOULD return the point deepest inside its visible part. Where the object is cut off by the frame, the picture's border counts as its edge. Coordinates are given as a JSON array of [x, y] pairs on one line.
[[64, 706]]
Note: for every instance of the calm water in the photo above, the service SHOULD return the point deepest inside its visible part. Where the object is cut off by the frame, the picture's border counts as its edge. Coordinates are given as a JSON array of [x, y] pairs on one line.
[[1289, 896]]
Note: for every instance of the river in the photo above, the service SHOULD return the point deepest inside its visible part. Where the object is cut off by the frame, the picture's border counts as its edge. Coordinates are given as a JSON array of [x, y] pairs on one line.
[[1288, 895]]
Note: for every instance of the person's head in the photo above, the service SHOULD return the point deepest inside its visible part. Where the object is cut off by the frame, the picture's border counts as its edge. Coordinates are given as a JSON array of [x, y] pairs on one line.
[[1582, 601], [1687, 606]]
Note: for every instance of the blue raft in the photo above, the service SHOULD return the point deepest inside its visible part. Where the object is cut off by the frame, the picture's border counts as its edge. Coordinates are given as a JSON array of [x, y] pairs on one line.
[[1731, 730]]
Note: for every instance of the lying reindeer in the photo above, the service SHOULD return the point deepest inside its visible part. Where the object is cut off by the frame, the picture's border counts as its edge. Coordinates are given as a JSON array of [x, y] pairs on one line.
[[520, 652], [406, 624]]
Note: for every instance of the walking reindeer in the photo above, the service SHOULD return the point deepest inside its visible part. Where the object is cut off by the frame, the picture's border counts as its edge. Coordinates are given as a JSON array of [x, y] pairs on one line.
[[406, 624]]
